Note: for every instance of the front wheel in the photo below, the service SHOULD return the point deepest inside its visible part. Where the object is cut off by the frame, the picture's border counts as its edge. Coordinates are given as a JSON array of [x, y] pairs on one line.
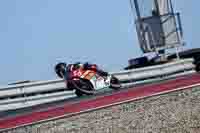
[[198, 66], [114, 83]]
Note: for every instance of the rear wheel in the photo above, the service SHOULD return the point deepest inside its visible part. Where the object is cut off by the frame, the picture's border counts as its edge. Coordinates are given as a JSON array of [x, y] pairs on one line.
[[78, 93], [83, 87]]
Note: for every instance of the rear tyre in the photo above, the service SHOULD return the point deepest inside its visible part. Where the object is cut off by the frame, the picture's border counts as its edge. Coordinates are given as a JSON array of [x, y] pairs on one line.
[[84, 87], [78, 93]]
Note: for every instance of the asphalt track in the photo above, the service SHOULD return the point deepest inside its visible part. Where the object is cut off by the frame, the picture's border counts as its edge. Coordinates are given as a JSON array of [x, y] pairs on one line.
[[75, 106]]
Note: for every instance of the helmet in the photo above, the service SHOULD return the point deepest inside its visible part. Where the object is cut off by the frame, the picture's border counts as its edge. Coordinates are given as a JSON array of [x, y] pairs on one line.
[[60, 69], [77, 65]]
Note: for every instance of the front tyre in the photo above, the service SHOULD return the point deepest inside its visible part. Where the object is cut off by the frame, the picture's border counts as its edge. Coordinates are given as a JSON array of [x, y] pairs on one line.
[[114, 83], [198, 66]]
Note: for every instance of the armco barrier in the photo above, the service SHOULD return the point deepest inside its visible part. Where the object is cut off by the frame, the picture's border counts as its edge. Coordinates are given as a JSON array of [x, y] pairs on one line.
[[177, 107], [35, 87], [22, 102], [153, 80], [155, 71], [30, 94]]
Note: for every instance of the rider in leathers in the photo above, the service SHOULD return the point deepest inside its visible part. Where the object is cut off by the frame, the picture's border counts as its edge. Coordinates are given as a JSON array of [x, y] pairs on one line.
[[64, 71]]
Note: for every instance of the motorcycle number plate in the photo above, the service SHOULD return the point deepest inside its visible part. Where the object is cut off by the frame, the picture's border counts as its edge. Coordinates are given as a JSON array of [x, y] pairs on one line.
[[77, 73]]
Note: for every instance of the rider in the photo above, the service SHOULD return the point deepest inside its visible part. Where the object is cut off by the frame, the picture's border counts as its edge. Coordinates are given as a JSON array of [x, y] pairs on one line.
[[64, 71]]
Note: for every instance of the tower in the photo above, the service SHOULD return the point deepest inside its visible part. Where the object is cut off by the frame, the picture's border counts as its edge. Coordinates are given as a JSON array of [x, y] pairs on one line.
[[158, 26]]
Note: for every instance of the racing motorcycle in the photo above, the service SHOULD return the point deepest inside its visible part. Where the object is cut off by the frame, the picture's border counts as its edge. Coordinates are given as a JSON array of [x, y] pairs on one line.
[[87, 82]]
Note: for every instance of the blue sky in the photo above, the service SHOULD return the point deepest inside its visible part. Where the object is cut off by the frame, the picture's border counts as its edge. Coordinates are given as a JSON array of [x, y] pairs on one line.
[[36, 34]]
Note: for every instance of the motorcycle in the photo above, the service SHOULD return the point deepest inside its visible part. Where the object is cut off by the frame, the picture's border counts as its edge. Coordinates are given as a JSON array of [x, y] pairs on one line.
[[87, 82]]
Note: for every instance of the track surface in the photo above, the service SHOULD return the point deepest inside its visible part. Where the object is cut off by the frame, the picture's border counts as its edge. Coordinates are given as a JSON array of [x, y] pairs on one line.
[[70, 108]]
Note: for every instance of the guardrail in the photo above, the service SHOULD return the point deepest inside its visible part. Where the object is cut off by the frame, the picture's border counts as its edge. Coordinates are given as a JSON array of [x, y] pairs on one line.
[[31, 88], [155, 71], [34, 93]]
